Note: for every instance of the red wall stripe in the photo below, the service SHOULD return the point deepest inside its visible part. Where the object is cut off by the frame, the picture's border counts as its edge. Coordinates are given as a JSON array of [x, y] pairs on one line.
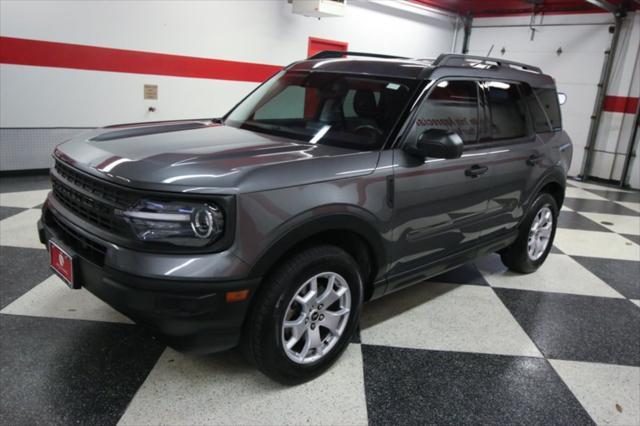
[[64, 55], [620, 104]]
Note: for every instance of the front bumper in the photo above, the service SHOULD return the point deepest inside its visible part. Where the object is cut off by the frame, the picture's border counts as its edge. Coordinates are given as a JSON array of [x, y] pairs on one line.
[[190, 315]]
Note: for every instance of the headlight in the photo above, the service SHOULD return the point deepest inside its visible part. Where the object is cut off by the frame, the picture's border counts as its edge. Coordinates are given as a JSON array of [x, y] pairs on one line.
[[179, 223]]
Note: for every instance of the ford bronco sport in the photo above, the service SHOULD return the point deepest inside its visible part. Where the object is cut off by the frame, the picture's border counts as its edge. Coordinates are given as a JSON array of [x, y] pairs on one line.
[[344, 177]]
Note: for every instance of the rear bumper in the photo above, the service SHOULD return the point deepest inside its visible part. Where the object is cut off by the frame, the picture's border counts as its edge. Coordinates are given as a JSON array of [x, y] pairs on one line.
[[189, 315]]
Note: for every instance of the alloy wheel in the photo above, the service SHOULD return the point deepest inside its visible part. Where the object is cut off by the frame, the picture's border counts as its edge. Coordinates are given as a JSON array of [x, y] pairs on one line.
[[540, 233], [316, 317]]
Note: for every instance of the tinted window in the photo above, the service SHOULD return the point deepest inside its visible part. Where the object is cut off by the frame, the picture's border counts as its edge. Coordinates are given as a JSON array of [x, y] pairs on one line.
[[324, 108], [549, 101], [287, 104], [540, 122], [453, 106], [507, 113]]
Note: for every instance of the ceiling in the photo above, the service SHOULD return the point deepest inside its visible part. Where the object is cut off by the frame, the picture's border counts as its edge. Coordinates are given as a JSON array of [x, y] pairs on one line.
[[483, 8]]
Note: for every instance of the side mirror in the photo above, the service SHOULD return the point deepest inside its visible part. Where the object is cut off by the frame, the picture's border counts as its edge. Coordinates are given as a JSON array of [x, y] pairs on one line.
[[562, 98], [437, 143]]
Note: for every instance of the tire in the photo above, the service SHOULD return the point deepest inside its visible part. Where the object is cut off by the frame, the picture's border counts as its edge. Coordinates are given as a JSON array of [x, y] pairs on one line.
[[265, 334], [518, 256]]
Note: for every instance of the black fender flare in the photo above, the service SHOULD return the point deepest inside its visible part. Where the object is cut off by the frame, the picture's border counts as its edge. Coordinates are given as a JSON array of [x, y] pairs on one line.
[[306, 229], [555, 175]]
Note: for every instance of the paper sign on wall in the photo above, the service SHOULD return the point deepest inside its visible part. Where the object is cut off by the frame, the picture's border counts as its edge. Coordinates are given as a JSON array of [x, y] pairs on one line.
[[151, 91]]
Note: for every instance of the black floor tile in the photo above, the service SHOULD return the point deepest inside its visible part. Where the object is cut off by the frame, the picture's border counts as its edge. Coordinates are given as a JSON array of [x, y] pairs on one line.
[[6, 212], [574, 220], [631, 237], [598, 206], [21, 269], [490, 264], [465, 274], [65, 372], [409, 386], [579, 328], [556, 250], [24, 183], [633, 197], [622, 275]]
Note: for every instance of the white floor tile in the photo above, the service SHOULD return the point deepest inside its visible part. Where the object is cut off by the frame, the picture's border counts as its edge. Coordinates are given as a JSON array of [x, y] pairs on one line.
[[630, 205], [437, 316], [223, 390], [53, 299], [607, 245], [20, 230], [25, 199], [609, 393], [616, 223], [581, 193], [595, 186], [558, 274]]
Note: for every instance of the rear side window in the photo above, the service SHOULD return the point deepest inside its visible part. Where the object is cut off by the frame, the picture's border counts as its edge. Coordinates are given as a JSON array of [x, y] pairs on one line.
[[508, 118], [451, 105], [549, 101]]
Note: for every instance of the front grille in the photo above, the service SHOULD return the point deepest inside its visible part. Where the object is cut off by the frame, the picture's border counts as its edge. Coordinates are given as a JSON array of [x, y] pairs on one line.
[[90, 199], [94, 187], [85, 247]]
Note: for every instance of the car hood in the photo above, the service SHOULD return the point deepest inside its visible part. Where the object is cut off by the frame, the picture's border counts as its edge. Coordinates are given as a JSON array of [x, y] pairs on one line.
[[206, 157]]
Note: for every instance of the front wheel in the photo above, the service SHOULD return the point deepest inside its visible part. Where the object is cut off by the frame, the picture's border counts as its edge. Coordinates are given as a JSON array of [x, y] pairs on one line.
[[535, 239], [305, 315]]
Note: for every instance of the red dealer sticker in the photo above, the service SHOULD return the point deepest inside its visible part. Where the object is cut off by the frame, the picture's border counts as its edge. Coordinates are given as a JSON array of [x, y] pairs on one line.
[[62, 264]]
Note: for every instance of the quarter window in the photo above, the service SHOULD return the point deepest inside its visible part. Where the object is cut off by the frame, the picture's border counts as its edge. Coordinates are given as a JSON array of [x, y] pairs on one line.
[[539, 117], [549, 100], [453, 106], [506, 111]]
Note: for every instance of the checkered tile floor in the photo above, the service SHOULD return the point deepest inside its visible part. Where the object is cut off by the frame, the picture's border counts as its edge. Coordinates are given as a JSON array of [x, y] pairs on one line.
[[475, 345]]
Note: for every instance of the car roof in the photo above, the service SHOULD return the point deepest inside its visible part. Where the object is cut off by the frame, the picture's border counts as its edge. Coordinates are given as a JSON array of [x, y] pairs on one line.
[[446, 65]]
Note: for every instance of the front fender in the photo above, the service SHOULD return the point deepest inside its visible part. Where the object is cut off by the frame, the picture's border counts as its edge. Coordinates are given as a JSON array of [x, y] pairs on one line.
[[310, 224]]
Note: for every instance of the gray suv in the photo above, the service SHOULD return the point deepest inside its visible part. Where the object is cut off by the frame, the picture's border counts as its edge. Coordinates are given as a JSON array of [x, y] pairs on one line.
[[342, 178]]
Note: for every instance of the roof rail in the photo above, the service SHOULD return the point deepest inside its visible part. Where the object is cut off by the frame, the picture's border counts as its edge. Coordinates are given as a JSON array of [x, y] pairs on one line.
[[327, 54], [457, 60]]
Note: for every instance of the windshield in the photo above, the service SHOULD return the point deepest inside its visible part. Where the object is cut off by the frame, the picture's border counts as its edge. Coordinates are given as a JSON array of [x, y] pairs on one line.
[[355, 112]]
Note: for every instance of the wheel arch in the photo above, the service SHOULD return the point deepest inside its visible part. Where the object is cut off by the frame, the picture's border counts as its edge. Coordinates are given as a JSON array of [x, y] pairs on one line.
[[554, 183], [350, 232]]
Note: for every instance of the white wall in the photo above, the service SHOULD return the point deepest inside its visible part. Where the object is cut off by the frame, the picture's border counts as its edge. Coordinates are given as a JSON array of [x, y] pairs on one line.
[[583, 39], [254, 31], [615, 128]]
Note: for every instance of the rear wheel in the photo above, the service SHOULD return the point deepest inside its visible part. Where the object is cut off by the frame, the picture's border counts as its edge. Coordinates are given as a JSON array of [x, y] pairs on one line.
[[305, 315], [535, 239]]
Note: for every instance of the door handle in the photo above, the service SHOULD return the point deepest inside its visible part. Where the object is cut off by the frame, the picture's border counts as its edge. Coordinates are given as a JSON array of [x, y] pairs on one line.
[[534, 159], [476, 170]]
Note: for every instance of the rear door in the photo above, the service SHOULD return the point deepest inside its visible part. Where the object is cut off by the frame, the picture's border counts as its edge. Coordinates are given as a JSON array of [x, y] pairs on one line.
[[439, 204], [515, 153]]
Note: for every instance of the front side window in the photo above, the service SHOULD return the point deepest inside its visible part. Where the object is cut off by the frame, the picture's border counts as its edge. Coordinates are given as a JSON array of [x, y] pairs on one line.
[[354, 112], [507, 112], [452, 106]]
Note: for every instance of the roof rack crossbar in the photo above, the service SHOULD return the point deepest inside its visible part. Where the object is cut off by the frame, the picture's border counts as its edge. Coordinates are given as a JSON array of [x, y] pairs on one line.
[[452, 59], [327, 54]]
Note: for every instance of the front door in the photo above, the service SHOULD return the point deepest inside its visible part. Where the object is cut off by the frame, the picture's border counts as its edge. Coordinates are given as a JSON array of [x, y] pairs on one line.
[[439, 204]]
